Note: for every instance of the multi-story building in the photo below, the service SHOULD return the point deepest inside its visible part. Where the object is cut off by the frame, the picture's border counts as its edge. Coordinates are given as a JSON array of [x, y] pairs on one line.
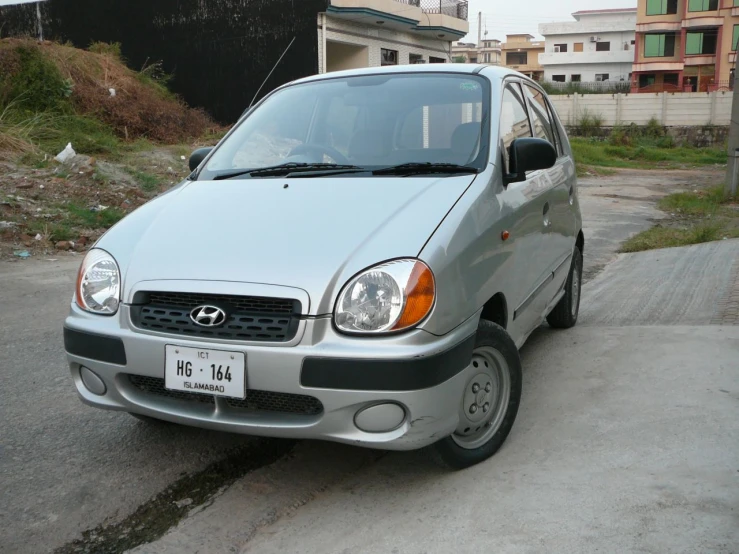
[[597, 46], [368, 33], [487, 52], [685, 45], [521, 52]]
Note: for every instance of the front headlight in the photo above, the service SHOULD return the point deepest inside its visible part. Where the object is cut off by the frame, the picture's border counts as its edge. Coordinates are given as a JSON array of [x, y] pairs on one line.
[[99, 283], [390, 297]]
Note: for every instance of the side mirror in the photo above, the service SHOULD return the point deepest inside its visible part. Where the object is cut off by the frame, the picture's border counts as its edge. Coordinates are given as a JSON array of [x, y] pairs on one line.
[[529, 154], [198, 156]]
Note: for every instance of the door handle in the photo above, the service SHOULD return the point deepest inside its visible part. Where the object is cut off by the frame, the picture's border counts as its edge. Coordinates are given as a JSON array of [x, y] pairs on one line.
[[572, 194], [546, 215]]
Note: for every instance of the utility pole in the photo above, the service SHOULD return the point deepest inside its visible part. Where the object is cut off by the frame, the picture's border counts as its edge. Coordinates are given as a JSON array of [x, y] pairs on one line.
[[40, 24], [732, 170], [479, 29]]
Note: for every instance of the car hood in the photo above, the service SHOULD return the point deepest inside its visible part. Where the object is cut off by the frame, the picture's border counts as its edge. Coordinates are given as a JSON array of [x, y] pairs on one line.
[[312, 234]]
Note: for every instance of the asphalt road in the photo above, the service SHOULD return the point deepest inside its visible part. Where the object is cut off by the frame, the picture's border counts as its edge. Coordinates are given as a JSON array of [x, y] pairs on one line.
[[66, 468]]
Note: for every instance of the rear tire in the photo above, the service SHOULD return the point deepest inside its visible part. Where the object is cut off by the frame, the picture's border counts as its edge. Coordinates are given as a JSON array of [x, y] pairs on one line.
[[489, 403], [565, 313]]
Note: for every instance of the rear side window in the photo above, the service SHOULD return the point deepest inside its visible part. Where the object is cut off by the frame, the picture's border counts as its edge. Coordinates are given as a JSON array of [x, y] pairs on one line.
[[514, 122], [540, 117]]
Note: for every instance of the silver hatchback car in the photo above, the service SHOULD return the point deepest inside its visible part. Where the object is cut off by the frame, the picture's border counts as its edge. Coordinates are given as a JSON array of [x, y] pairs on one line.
[[358, 260]]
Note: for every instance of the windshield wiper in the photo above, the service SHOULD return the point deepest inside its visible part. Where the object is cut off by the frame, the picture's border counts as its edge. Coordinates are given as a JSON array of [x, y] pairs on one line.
[[425, 168], [284, 169]]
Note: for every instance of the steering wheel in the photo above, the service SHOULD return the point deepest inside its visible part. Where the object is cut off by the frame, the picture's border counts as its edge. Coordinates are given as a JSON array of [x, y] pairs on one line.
[[320, 149]]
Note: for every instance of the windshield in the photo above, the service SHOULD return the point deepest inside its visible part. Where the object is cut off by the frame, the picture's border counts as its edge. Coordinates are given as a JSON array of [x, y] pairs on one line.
[[371, 121]]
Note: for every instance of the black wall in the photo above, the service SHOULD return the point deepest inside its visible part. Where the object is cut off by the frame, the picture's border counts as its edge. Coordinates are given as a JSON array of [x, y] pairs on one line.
[[220, 51]]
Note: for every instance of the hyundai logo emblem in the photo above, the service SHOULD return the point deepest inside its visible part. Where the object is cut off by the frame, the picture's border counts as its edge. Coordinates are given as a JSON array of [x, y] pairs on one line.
[[208, 316]]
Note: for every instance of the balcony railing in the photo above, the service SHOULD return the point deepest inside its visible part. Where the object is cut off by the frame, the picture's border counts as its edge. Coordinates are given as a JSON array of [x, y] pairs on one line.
[[453, 8]]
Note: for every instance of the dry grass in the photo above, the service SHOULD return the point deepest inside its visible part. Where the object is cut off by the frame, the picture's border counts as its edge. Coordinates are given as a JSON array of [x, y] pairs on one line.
[[140, 108]]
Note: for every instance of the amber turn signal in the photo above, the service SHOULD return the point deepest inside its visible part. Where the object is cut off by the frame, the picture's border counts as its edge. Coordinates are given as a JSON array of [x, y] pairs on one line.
[[420, 296]]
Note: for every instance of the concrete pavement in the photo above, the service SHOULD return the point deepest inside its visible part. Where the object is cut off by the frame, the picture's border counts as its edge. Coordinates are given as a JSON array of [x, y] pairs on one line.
[[66, 468], [626, 441]]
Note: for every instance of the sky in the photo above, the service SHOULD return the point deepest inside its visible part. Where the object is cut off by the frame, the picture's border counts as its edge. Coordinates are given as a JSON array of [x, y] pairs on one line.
[[5, 2], [523, 16]]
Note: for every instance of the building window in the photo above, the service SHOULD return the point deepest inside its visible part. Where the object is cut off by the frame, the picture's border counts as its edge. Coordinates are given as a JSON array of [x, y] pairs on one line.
[[577, 47], [559, 78], [560, 48], [659, 46], [702, 5], [415, 58], [436, 60], [601, 77], [661, 7], [703, 43], [735, 39], [517, 58], [389, 57], [646, 79], [473, 60], [670, 79], [575, 78], [602, 46]]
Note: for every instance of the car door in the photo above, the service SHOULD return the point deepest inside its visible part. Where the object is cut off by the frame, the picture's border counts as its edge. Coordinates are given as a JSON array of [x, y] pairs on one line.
[[557, 236], [523, 203]]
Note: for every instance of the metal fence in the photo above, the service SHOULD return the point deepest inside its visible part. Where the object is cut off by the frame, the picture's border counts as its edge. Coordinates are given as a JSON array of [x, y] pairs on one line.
[[452, 8]]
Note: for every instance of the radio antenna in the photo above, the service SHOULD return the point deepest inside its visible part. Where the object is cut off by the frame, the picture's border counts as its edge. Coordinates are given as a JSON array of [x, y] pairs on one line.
[[271, 72]]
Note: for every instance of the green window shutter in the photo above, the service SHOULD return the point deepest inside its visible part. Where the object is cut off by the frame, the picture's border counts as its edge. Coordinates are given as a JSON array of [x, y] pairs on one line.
[[694, 44], [654, 46], [658, 7]]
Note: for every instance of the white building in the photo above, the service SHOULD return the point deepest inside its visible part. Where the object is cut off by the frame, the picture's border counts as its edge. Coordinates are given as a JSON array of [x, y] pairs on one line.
[[370, 33], [597, 46]]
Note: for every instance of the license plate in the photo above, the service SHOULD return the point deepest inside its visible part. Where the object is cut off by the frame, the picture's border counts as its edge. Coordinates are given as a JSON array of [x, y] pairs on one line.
[[205, 371]]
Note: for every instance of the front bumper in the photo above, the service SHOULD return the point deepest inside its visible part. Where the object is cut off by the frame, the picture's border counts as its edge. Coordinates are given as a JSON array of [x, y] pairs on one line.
[[420, 373]]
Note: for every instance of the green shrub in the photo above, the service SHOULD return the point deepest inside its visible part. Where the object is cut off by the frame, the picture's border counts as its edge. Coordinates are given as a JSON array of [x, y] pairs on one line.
[[589, 124], [36, 85], [108, 49], [654, 129]]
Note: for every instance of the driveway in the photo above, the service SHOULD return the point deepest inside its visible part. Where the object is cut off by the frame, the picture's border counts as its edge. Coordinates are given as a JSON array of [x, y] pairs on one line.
[[66, 468]]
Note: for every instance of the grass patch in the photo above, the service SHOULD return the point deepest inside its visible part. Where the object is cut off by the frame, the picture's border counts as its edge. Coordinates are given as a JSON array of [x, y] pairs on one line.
[[643, 155], [73, 217], [80, 216], [147, 181], [668, 237], [699, 203], [697, 217]]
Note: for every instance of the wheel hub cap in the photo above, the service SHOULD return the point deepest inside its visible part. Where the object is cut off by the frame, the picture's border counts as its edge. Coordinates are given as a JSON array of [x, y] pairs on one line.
[[485, 399]]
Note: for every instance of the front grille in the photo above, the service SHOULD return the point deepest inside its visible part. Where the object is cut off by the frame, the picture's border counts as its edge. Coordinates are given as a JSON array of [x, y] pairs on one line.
[[250, 318], [255, 401]]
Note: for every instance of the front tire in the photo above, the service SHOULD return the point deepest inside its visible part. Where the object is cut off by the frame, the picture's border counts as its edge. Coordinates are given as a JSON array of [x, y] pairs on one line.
[[489, 403], [565, 313]]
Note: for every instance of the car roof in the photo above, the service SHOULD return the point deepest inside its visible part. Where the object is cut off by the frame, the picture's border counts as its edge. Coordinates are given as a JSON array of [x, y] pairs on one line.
[[489, 71]]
